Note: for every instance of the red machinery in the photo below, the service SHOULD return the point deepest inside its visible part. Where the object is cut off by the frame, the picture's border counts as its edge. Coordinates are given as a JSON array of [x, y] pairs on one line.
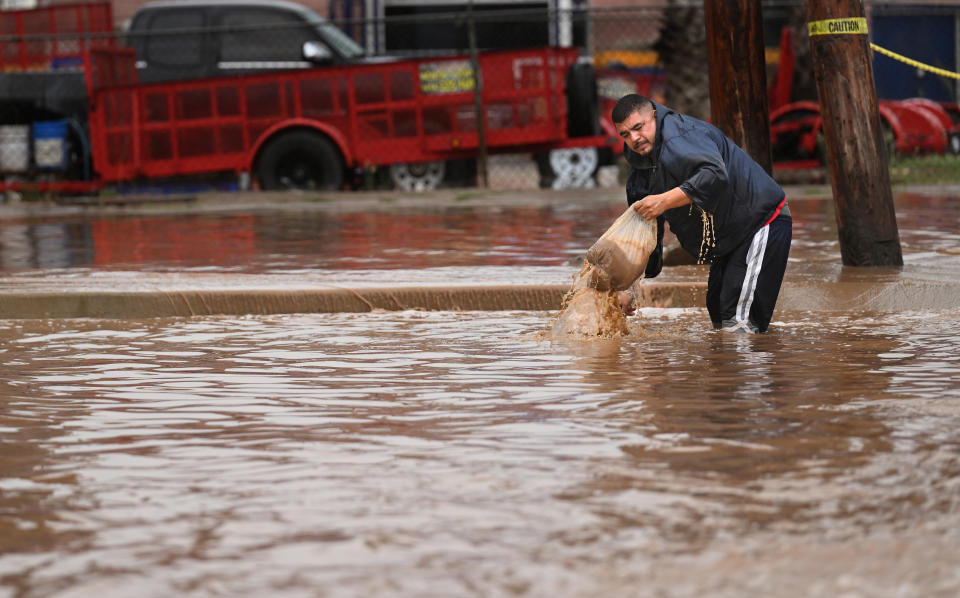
[[910, 127]]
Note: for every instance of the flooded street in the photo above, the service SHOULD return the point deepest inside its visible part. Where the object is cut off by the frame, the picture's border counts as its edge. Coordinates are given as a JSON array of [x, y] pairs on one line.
[[441, 454], [482, 240], [437, 454], [378, 242]]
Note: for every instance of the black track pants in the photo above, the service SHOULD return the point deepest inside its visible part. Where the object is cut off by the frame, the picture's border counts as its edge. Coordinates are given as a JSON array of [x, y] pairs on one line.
[[743, 285]]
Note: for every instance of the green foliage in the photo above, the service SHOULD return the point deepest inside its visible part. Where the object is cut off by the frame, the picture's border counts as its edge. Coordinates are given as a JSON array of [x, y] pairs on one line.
[[925, 170]]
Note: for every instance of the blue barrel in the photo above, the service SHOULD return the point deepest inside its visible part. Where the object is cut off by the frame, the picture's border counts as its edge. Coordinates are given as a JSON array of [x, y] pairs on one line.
[[50, 144]]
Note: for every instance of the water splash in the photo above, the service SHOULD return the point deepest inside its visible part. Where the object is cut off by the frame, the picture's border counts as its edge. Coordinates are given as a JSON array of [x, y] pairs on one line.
[[588, 312]]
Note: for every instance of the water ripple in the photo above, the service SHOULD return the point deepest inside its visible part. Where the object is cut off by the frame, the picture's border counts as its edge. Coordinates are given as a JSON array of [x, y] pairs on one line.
[[419, 453]]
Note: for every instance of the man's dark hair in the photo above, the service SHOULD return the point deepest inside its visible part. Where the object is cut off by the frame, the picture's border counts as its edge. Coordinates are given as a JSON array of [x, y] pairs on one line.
[[628, 104]]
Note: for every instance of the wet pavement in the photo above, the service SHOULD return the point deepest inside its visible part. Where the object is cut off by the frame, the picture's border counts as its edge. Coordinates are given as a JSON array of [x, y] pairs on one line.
[[463, 453], [249, 244]]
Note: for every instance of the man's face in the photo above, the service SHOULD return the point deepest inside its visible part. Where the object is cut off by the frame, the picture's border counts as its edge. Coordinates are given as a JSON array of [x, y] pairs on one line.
[[639, 130]]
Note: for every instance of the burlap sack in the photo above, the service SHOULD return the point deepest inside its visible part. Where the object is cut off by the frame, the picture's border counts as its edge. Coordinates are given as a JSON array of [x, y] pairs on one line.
[[620, 255]]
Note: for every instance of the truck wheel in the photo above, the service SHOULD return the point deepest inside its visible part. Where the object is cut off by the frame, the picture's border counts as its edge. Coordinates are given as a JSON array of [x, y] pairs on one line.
[[417, 176], [569, 168], [300, 160]]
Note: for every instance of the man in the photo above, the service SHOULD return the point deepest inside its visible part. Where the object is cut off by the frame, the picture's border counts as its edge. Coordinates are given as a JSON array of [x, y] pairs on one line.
[[722, 206]]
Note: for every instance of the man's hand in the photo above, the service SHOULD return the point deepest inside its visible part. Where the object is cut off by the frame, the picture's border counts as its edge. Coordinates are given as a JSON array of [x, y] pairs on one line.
[[649, 207], [656, 204], [627, 305]]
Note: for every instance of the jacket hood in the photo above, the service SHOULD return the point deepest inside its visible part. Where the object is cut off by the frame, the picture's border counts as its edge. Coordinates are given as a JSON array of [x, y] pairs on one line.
[[636, 160]]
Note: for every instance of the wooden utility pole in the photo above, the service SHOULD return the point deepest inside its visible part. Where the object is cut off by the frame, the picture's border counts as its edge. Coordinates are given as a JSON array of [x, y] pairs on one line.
[[738, 75], [859, 173], [478, 111]]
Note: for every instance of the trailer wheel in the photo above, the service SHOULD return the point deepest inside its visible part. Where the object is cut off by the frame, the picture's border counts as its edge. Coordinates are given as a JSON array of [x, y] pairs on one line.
[[583, 115], [300, 160], [568, 168], [889, 139], [820, 149], [461, 173], [417, 176]]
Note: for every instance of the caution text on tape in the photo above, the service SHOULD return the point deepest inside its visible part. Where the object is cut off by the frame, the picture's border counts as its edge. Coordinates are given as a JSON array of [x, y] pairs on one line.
[[854, 26]]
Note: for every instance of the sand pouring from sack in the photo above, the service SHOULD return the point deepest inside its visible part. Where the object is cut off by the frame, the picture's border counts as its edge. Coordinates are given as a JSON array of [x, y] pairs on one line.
[[588, 312], [614, 263]]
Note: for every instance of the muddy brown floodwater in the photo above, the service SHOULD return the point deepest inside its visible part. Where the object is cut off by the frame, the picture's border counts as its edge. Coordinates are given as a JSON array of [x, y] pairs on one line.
[[438, 454], [454, 454], [481, 241]]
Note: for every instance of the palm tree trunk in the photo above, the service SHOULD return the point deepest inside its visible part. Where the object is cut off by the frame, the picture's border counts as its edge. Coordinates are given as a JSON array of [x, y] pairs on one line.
[[682, 50], [804, 85]]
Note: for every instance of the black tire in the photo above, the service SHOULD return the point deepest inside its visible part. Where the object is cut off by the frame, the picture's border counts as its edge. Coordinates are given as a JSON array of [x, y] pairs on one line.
[[820, 149], [889, 139], [953, 143], [544, 170], [583, 115], [78, 166], [462, 173], [300, 160]]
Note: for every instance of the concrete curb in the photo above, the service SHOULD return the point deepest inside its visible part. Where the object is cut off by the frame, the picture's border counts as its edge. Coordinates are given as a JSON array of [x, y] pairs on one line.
[[851, 296], [192, 302], [892, 297]]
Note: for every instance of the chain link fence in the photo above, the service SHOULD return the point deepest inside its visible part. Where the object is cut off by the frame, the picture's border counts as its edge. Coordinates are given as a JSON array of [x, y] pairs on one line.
[[507, 96]]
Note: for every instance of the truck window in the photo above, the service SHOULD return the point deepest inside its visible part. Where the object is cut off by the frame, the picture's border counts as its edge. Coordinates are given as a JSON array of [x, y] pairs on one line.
[[253, 35], [176, 49], [340, 42]]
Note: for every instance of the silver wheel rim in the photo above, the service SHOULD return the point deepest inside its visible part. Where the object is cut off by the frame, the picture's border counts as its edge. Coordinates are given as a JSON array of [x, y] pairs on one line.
[[418, 176], [574, 167]]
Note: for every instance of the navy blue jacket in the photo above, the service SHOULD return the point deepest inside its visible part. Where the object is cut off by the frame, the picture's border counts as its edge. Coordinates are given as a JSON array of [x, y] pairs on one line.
[[721, 179]]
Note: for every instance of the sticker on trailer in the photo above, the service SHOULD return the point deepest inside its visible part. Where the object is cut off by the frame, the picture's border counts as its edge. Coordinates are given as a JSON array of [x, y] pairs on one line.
[[449, 76]]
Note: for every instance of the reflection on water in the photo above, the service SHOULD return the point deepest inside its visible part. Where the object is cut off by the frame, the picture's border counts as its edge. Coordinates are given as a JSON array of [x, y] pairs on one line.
[[441, 454], [328, 238], [280, 241]]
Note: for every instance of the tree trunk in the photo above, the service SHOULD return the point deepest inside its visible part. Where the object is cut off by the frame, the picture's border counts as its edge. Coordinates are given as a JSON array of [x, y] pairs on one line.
[[736, 52], [804, 85], [682, 49]]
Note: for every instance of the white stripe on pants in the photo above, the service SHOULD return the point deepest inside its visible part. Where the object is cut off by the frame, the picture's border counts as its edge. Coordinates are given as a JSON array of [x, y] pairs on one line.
[[754, 261]]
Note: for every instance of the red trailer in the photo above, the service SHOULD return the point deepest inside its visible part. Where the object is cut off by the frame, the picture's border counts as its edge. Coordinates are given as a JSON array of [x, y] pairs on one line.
[[54, 35], [316, 128], [310, 127]]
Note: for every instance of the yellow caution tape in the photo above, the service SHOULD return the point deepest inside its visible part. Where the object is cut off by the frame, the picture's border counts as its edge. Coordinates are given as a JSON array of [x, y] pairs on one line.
[[856, 26], [914, 63]]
